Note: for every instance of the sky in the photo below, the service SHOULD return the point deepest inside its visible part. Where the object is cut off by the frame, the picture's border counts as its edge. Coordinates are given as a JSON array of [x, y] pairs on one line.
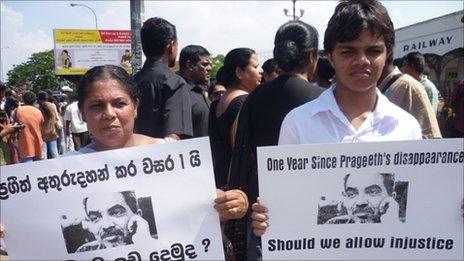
[[219, 26]]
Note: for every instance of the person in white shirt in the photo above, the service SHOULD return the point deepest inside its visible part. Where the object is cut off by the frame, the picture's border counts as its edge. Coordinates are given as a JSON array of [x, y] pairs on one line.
[[328, 124], [76, 126], [357, 42]]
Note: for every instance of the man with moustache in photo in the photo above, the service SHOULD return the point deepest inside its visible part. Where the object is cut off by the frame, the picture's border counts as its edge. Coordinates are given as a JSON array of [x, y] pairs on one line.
[[368, 198], [115, 220]]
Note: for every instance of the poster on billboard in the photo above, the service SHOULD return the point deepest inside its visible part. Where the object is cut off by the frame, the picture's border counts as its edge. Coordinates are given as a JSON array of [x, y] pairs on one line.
[[363, 201], [76, 51], [152, 202]]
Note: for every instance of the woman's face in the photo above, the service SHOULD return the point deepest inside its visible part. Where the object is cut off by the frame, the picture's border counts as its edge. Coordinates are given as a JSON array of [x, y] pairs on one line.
[[250, 76], [110, 113]]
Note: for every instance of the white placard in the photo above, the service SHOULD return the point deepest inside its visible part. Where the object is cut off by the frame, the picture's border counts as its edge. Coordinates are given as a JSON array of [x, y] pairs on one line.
[[83, 207], [319, 212]]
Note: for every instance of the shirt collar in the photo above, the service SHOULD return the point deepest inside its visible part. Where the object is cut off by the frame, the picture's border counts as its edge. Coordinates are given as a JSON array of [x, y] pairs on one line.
[[327, 102], [194, 87], [384, 108], [149, 62], [394, 72]]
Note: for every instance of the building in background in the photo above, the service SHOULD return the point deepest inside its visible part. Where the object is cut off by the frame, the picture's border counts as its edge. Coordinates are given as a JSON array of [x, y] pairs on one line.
[[441, 40]]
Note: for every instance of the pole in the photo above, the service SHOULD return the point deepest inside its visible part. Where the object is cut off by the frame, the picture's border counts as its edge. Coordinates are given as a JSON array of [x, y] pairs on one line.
[[294, 16], [1, 63], [91, 10], [137, 13]]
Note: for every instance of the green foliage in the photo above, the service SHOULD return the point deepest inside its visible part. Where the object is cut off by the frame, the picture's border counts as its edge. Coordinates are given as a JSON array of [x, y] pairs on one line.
[[38, 72], [216, 63]]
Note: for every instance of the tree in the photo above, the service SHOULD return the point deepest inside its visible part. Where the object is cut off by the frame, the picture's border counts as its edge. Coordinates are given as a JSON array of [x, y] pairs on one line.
[[38, 71], [216, 63]]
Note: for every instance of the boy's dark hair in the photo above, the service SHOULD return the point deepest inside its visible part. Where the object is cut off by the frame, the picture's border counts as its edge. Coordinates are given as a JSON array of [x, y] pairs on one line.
[[293, 43], [155, 34], [351, 17], [191, 53], [416, 60]]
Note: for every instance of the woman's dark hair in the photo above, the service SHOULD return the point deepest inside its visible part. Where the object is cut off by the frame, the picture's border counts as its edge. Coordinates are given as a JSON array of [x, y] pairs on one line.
[[155, 34], [50, 97], [106, 72], [293, 43], [324, 69], [351, 17], [211, 85], [41, 99], [220, 76], [239, 57], [11, 103]]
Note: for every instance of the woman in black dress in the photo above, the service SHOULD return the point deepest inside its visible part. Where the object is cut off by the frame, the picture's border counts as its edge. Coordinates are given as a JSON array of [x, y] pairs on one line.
[[242, 74], [295, 51]]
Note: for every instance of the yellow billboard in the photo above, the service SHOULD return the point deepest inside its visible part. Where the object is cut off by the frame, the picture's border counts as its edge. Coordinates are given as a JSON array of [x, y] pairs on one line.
[[76, 51]]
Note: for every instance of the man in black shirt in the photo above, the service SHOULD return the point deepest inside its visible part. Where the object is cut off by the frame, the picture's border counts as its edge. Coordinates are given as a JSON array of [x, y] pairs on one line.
[[165, 108], [194, 67]]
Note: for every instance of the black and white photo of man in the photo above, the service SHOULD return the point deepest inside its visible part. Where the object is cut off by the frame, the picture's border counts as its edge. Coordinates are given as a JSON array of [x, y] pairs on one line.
[[114, 219], [367, 198]]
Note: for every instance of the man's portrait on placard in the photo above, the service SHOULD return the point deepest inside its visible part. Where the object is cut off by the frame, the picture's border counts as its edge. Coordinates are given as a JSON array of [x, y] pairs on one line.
[[366, 198], [109, 220]]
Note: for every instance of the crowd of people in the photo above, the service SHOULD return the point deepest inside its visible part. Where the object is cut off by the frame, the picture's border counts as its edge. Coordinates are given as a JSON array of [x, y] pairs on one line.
[[353, 94]]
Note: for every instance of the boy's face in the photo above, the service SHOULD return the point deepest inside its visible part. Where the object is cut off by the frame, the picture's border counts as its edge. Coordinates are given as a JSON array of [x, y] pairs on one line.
[[358, 64]]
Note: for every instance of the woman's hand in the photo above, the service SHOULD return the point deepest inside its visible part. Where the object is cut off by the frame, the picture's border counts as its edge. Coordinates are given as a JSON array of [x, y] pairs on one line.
[[8, 129], [259, 218], [231, 204]]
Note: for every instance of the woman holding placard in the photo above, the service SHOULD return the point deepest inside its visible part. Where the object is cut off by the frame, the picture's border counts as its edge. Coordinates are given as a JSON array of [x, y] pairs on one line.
[[108, 101]]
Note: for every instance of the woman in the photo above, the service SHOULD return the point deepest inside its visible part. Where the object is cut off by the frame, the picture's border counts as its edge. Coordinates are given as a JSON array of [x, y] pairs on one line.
[[108, 100], [242, 74], [50, 128], [295, 52], [65, 59]]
